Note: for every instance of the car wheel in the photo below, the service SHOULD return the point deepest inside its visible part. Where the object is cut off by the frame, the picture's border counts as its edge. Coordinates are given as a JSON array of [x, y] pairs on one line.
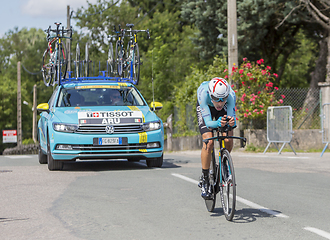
[[52, 165], [42, 157], [156, 162]]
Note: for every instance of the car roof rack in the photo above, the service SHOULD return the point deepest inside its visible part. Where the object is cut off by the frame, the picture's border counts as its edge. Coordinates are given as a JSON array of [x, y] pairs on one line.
[[102, 77]]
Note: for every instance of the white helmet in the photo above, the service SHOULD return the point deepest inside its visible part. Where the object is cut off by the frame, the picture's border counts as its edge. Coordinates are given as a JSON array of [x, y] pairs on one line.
[[219, 89]]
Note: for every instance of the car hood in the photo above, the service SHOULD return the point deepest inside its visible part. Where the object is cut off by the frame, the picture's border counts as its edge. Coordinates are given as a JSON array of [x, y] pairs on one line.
[[74, 115]]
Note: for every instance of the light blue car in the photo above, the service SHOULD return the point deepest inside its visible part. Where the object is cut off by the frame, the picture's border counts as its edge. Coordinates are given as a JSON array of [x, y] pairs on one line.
[[99, 119]]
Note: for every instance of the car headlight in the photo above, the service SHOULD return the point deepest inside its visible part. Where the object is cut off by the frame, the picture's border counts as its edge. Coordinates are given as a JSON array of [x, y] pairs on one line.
[[150, 126], [62, 127]]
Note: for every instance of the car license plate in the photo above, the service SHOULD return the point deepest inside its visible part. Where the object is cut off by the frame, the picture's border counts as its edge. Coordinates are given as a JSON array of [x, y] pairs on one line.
[[110, 141]]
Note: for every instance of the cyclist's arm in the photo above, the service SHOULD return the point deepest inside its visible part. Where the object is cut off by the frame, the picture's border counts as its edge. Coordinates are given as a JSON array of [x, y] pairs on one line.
[[202, 97], [231, 104]]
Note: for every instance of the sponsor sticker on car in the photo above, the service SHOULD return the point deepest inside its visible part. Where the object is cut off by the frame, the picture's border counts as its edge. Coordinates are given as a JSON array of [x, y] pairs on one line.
[[110, 117]]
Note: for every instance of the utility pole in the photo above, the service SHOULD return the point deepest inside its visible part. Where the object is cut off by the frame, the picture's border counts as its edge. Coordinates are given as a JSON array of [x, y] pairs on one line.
[[232, 35], [19, 109], [68, 41], [233, 48], [34, 119]]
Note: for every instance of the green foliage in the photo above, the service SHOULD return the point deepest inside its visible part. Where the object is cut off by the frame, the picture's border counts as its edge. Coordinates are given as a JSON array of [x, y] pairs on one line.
[[255, 90]]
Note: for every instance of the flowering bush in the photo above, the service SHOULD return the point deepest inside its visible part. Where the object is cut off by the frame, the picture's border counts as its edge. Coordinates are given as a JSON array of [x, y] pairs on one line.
[[255, 91]]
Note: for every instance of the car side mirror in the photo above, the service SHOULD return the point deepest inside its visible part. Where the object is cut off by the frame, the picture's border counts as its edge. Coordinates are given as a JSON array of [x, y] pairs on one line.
[[156, 106], [43, 107]]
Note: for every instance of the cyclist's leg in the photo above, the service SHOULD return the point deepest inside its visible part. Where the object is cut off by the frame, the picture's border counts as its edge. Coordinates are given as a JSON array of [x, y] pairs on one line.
[[206, 154]]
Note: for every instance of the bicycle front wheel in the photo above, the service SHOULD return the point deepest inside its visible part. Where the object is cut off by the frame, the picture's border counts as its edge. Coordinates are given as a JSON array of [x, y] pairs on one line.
[[47, 68], [77, 62], [119, 57], [111, 60], [228, 185], [214, 173], [63, 61], [136, 64]]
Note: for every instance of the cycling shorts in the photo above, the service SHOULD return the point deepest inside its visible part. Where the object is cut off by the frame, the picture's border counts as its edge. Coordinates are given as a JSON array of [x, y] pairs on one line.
[[214, 114]]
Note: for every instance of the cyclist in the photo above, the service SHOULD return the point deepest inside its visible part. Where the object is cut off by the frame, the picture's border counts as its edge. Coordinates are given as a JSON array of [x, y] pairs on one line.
[[215, 108]]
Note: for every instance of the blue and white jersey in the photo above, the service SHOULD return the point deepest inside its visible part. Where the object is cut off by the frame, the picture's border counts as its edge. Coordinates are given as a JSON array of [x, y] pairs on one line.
[[204, 100]]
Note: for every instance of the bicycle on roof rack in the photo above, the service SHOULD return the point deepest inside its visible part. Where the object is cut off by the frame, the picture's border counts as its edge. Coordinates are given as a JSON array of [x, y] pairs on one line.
[[222, 175], [132, 63], [127, 66], [54, 60]]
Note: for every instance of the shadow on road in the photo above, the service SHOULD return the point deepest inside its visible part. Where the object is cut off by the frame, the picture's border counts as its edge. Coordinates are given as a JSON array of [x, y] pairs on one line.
[[112, 165], [245, 215]]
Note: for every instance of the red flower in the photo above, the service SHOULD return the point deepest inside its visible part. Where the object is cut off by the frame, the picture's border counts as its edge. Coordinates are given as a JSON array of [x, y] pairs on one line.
[[244, 59], [283, 96], [269, 68], [241, 71]]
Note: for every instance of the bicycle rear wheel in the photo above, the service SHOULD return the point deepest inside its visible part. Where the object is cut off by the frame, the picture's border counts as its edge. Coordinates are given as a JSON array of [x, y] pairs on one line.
[[228, 185], [47, 68], [214, 173]]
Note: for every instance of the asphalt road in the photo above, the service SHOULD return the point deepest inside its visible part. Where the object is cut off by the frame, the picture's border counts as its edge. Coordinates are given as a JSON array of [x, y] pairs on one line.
[[279, 197]]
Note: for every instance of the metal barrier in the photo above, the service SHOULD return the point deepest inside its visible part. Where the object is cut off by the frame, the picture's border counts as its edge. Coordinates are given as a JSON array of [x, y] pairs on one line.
[[279, 126], [325, 124]]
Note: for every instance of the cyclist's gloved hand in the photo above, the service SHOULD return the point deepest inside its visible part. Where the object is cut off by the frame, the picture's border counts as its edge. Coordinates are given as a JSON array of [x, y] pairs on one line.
[[223, 120]]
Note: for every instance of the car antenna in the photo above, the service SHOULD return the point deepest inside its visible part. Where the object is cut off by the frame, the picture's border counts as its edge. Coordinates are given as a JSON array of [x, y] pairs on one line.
[[152, 78]]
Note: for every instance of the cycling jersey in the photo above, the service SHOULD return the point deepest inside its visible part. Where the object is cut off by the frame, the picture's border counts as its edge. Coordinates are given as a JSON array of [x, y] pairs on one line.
[[204, 101]]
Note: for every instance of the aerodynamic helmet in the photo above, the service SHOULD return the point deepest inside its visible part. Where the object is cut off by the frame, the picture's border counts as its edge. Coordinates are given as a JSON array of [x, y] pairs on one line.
[[219, 89]]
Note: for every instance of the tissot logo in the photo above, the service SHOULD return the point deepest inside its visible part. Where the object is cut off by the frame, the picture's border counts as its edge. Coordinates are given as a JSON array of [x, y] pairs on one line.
[[109, 114], [110, 129]]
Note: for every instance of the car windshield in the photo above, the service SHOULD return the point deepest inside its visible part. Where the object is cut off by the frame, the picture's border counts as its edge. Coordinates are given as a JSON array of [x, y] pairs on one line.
[[107, 95]]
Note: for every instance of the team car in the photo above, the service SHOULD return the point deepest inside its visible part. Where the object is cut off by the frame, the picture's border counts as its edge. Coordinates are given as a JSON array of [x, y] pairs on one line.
[[99, 119]]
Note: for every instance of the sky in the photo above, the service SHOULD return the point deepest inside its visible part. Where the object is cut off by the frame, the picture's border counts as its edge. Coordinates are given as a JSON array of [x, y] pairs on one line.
[[37, 13]]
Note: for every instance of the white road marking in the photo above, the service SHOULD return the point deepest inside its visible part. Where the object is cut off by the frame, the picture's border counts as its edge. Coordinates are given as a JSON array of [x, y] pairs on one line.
[[18, 156], [260, 208], [185, 178], [318, 232], [239, 199]]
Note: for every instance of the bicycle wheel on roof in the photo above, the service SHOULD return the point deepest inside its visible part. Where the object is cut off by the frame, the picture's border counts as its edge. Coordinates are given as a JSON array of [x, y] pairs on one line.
[[119, 58], [77, 62], [136, 64], [110, 61], [62, 60], [47, 68]]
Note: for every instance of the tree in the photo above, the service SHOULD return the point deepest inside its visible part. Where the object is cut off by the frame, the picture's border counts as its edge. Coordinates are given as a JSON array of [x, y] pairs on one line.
[[26, 46], [258, 33]]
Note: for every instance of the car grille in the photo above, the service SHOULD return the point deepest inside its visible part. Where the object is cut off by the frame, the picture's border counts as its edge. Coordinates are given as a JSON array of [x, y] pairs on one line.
[[91, 148], [89, 129]]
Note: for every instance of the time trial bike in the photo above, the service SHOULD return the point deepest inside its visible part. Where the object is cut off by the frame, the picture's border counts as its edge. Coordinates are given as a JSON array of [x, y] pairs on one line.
[[222, 175]]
